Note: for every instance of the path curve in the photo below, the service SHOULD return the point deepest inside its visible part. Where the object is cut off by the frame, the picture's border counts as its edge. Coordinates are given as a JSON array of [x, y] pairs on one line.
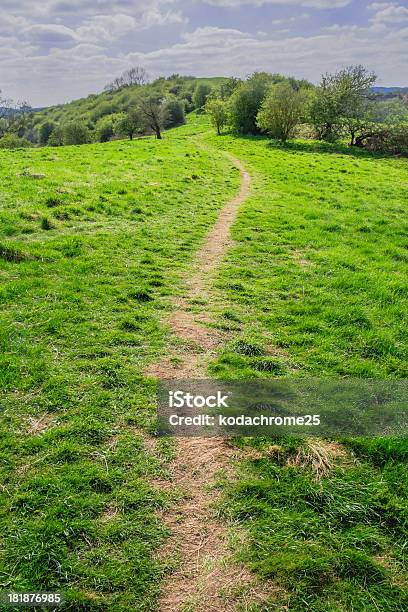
[[206, 577]]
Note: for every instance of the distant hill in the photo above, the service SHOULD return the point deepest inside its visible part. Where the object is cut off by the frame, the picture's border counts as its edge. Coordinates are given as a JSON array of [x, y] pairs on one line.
[[389, 90]]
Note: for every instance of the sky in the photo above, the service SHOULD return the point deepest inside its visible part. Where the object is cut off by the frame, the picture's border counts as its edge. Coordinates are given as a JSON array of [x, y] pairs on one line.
[[53, 51]]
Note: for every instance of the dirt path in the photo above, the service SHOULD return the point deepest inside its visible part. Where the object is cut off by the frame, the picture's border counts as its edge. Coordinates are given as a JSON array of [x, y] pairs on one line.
[[206, 578], [189, 322]]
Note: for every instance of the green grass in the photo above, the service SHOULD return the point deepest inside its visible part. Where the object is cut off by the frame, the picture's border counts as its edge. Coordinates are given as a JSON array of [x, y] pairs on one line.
[[93, 240], [337, 544], [316, 284], [319, 268]]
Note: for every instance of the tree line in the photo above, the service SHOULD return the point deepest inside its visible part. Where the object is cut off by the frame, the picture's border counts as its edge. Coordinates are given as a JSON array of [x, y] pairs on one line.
[[130, 106], [342, 106]]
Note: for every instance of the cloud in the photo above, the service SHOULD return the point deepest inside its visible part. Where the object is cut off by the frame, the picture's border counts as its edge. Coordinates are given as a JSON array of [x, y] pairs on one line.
[[203, 51], [12, 23], [58, 50], [50, 34], [390, 14], [318, 4]]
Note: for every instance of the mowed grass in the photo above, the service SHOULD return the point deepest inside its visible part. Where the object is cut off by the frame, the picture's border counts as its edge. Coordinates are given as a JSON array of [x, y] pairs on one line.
[[317, 284], [93, 241]]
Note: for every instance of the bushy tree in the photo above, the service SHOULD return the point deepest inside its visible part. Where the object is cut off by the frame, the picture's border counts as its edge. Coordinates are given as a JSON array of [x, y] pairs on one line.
[[200, 95], [176, 113], [76, 133], [228, 87], [12, 141], [154, 113], [56, 139], [104, 129], [130, 124], [216, 109], [341, 100], [282, 110], [45, 131], [246, 101]]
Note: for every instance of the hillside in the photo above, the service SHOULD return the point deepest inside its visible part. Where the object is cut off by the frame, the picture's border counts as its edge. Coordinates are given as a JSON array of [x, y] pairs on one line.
[[104, 252], [96, 106]]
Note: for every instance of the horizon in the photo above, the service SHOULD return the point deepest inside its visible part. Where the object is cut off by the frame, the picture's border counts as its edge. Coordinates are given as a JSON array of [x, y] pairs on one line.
[[59, 52]]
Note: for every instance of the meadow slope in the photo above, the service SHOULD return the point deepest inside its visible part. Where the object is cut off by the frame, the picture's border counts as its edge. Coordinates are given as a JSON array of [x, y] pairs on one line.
[[96, 245], [93, 241], [316, 285]]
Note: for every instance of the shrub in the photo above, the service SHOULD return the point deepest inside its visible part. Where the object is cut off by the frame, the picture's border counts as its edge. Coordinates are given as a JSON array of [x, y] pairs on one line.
[[216, 109], [281, 111], [76, 134], [175, 113], [200, 95], [246, 101], [56, 139], [389, 139], [11, 141], [46, 129], [105, 108], [104, 129]]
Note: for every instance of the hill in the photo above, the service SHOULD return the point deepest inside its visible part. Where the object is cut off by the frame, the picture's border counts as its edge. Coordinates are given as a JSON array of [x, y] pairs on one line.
[[388, 90], [96, 106]]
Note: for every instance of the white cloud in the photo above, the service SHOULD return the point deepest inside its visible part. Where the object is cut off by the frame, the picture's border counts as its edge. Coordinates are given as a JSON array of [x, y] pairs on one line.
[[391, 14], [73, 47], [319, 4], [209, 51], [50, 33], [12, 23]]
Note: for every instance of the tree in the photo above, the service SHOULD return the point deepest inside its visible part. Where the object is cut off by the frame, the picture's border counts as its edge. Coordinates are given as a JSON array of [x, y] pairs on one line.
[[135, 76], [200, 95], [341, 100], [130, 124], [282, 110], [228, 87], [46, 129], [56, 139], [76, 133], [246, 101], [104, 129], [154, 113], [216, 109], [176, 113], [12, 141], [15, 117]]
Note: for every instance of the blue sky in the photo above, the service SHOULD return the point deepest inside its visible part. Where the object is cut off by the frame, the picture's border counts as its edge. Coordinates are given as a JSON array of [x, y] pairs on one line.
[[57, 50]]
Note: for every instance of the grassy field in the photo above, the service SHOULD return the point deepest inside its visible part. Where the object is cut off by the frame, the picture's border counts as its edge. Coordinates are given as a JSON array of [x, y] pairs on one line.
[[316, 284], [93, 241]]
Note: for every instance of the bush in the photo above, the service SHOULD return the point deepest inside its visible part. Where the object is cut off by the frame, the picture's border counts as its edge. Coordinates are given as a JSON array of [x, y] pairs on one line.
[[104, 129], [216, 109], [76, 134], [176, 113], [46, 129], [56, 139], [246, 101], [200, 95], [282, 110], [105, 108], [390, 139], [11, 141]]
